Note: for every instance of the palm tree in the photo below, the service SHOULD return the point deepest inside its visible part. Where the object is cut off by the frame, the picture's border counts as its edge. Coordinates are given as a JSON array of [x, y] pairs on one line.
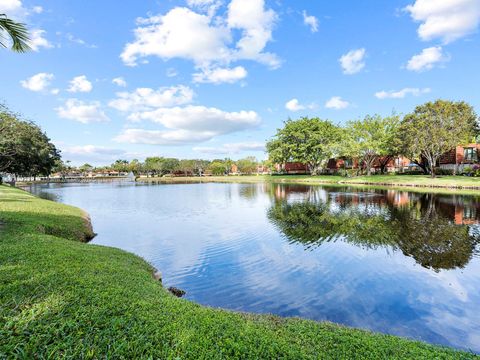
[[18, 34]]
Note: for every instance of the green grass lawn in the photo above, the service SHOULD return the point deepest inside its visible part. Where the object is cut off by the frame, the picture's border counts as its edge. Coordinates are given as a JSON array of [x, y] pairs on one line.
[[62, 298], [391, 180]]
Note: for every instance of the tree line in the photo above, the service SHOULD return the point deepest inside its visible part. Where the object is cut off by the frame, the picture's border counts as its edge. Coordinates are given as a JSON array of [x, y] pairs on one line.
[[422, 136], [163, 166]]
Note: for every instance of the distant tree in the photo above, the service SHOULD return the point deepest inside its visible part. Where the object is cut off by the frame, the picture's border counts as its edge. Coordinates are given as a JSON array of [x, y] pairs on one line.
[[169, 165], [135, 166], [24, 149], [217, 167], [200, 166], [435, 128], [371, 139], [309, 141], [187, 167], [62, 167], [153, 165], [268, 164], [85, 168], [227, 164], [17, 32], [247, 165], [120, 165]]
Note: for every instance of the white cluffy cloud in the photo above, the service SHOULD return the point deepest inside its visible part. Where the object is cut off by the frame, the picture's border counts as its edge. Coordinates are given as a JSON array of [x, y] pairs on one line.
[[38, 40], [200, 118], [232, 148], [145, 98], [337, 103], [447, 20], [427, 59], [38, 82], [119, 81], [188, 124], [400, 94], [17, 11], [80, 84], [206, 39], [294, 105], [353, 61], [84, 112], [11, 7], [311, 21], [220, 75]]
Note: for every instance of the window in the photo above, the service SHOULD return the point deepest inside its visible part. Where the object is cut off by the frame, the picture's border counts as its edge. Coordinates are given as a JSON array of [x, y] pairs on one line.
[[470, 154], [469, 212]]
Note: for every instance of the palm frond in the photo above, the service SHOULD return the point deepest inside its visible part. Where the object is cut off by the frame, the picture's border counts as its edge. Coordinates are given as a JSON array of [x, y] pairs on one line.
[[18, 33]]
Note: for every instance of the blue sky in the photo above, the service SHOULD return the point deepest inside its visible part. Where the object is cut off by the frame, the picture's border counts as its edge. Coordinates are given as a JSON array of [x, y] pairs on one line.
[[216, 78]]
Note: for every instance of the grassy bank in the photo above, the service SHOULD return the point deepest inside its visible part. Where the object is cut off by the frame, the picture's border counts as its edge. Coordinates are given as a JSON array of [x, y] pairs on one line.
[[60, 297], [454, 182]]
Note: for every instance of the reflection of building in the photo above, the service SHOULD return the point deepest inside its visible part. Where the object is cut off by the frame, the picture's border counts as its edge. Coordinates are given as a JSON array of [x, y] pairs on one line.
[[284, 191], [466, 215], [457, 209], [398, 198]]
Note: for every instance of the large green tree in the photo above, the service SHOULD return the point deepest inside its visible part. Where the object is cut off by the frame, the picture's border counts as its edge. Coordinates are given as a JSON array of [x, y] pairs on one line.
[[24, 149], [311, 141], [435, 128], [371, 139], [17, 32]]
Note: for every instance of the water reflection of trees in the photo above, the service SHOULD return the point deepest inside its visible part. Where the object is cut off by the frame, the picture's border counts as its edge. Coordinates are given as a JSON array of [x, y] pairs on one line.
[[426, 227]]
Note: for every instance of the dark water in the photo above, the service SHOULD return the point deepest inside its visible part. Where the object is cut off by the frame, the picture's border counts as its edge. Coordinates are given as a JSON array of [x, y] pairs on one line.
[[391, 261]]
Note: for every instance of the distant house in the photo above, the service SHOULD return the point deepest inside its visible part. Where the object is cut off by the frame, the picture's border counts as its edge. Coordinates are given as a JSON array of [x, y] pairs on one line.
[[344, 163], [293, 168], [460, 157], [391, 163], [456, 160], [262, 170]]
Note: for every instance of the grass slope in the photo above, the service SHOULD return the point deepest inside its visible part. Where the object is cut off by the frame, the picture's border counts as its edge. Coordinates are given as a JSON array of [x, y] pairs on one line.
[[60, 297]]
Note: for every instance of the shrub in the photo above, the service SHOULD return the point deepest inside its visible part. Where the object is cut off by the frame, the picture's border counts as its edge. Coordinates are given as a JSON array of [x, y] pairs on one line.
[[444, 171], [467, 171]]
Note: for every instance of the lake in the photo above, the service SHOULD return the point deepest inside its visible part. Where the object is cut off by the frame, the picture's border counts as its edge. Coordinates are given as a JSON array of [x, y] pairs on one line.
[[402, 263]]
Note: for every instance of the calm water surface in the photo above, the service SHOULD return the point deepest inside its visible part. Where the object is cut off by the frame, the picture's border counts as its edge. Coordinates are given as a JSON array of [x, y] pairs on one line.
[[396, 262]]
